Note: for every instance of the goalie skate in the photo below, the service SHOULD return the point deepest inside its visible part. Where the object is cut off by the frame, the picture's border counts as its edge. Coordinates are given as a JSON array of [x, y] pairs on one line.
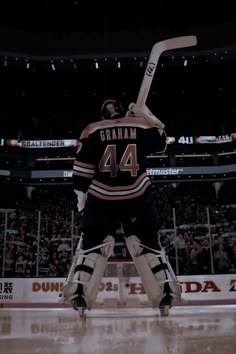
[[79, 304], [166, 304], [164, 310]]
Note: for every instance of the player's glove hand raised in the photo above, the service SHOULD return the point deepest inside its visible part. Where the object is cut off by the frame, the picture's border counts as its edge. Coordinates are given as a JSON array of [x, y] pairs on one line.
[[144, 112], [137, 111]]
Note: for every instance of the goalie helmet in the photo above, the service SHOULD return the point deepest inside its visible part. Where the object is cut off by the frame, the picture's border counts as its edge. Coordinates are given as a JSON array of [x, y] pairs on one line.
[[112, 109]]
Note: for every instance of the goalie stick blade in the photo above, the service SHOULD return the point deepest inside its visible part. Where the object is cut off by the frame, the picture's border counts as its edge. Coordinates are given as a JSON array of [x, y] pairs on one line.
[[157, 50], [174, 43]]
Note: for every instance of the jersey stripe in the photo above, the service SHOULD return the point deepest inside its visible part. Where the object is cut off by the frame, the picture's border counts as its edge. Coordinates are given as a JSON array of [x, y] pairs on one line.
[[85, 170], [120, 197], [120, 191], [75, 173], [120, 188], [123, 122], [83, 164]]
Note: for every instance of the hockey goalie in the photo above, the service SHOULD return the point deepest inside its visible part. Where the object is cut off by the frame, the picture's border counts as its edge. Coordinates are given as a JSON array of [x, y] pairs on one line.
[[112, 186]]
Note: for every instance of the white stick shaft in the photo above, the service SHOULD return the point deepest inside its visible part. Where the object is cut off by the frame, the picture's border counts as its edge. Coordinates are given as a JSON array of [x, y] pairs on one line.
[[157, 50]]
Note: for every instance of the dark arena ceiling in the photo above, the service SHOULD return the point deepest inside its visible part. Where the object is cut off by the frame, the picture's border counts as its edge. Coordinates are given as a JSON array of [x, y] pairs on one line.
[[57, 27], [70, 55]]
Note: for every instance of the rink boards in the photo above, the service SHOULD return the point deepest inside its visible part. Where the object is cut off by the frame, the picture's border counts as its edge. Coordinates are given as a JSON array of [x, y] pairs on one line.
[[117, 291]]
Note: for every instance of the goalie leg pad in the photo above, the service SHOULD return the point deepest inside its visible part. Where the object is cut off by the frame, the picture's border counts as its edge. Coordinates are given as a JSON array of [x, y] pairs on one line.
[[71, 284], [97, 265], [154, 271], [87, 271]]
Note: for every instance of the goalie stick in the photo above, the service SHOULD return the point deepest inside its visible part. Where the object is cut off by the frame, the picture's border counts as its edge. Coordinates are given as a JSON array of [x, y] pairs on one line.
[[157, 50]]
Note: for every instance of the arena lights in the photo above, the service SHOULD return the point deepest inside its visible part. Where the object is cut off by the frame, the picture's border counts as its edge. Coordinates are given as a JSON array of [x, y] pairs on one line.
[[121, 61], [96, 64], [53, 66]]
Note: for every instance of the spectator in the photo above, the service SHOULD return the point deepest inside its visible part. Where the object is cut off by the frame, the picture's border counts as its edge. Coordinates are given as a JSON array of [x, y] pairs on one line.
[[193, 262], [56, 207], [222, 261]]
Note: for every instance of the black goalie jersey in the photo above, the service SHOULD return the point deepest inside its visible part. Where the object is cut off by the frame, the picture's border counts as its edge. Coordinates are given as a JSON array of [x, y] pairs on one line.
[[111, 155]]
